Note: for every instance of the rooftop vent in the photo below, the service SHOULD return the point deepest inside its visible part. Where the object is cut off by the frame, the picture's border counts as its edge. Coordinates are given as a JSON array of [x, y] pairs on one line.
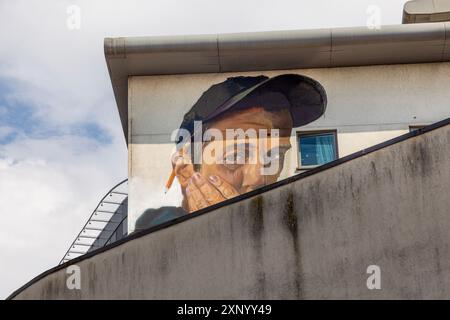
[[422, 11]]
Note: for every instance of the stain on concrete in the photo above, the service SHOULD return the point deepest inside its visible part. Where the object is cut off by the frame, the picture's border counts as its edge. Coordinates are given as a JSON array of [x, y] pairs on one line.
[[389, 174], [290, 221], [425, 159], [411, 163], [315, 200], [437, 258], [92, 276], [257, 214], [373, 171], [163, 264], [289, 216], [257, 232], [49, 291]]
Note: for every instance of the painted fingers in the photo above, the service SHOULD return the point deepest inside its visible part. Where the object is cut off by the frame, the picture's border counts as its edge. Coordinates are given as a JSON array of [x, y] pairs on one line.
[[202, 193]]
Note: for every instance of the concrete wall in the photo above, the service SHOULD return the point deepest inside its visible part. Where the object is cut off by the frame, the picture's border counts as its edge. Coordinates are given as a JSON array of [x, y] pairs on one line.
[[366, 105], [312, 238]]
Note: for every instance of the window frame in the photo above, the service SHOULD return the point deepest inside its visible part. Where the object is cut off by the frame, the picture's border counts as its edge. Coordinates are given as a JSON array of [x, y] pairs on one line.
[[306, 133]]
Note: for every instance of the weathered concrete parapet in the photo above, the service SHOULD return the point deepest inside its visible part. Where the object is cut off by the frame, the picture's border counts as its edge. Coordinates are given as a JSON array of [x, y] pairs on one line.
[[311, 236], [422, 11]]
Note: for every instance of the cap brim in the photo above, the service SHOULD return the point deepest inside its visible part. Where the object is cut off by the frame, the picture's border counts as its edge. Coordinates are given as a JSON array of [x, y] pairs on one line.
[[307, 98]]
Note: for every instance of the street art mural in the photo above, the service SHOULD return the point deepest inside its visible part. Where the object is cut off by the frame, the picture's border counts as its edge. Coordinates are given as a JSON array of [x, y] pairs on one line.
[[234, 139]]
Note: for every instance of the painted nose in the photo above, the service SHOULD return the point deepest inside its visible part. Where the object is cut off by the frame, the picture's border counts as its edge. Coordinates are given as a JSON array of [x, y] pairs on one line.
[[252, 177]]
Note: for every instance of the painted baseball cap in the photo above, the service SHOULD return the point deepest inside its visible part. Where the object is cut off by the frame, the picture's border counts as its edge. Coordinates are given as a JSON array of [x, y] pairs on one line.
[[305, 98]]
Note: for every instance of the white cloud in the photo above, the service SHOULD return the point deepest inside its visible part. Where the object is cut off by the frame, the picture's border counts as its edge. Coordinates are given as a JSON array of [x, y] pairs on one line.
[[48, 187], [5, 130]]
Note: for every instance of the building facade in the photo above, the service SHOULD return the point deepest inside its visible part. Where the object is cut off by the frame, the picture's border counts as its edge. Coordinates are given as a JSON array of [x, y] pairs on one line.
[[366, 104], [362, 116]]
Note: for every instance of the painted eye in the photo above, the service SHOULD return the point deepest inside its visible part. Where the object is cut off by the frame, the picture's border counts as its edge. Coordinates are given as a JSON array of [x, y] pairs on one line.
[[234, 161]]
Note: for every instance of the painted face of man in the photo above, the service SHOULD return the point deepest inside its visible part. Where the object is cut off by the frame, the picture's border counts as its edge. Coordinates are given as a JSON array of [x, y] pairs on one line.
[[247, 157], [250, 156]]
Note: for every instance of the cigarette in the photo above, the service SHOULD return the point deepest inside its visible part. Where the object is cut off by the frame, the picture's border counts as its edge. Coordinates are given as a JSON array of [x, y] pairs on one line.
[[170, 180], [172, 176]]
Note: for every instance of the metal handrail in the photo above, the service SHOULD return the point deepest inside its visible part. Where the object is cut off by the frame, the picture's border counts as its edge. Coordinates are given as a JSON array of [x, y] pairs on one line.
[[91, 219], [112, 233]]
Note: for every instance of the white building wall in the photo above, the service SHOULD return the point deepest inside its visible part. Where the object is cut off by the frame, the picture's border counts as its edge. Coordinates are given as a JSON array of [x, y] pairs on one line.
[[366, 105]]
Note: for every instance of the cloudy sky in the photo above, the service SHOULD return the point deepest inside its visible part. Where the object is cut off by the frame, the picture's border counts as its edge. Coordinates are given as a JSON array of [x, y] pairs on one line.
[[61, 144]]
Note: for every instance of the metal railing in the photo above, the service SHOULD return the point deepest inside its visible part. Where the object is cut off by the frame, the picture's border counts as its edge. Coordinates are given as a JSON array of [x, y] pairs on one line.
[[107, 223]]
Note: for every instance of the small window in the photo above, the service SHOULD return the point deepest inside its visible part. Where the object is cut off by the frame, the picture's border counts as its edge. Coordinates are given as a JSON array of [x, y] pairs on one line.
[[316, 148]]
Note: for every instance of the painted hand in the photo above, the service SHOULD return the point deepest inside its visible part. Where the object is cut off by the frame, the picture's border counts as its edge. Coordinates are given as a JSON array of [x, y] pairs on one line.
[[202, 193]]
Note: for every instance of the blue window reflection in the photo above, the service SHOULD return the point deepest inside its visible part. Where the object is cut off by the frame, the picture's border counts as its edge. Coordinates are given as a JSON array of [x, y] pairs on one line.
[[317, 149]]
